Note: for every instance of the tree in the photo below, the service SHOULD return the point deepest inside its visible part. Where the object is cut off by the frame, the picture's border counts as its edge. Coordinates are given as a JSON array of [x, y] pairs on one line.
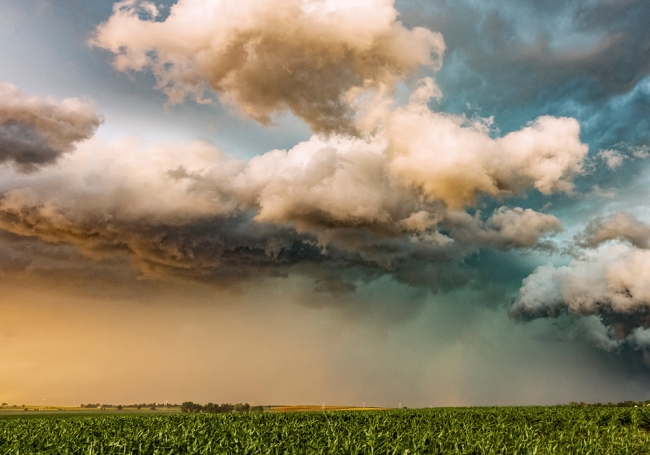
[[189, 406], [210, 407], [226, 407], [239, 407]]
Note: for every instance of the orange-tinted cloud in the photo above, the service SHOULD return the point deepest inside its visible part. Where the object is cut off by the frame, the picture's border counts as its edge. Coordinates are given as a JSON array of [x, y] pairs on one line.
[[310, 57]]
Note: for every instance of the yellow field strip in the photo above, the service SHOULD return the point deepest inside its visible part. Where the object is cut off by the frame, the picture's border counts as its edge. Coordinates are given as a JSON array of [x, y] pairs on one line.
[[301, 408]]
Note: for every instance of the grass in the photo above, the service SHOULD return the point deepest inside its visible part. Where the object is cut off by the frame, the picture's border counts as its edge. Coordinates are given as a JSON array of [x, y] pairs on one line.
[[527, 430]]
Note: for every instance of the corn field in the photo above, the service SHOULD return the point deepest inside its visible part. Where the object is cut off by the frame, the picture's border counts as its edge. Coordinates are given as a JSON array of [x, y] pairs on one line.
[[528, 430]]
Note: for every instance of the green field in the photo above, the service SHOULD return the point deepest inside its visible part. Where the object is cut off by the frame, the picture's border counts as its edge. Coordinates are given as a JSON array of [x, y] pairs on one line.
[[534, 430]]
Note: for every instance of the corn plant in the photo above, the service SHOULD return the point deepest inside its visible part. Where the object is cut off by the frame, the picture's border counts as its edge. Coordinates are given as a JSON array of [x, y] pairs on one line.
[[504, 430]]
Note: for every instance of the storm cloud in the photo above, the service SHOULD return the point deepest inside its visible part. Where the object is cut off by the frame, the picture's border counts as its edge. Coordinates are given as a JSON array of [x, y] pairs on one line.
[[610, 284], [337, 209], [190, 211], [527, 53], [395, 188], [35, 132]]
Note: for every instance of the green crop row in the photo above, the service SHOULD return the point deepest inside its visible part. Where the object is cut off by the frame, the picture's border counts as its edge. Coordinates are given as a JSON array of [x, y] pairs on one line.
[[531, 430]]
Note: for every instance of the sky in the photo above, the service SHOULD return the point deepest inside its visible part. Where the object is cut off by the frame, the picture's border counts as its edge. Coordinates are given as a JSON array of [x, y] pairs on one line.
[[422, 202]]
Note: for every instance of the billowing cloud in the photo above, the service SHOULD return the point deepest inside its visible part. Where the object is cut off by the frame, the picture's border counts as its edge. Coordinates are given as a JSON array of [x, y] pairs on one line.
[[619, 226], [326, 208], [604, 283], [605, 291], [611, 285], [523, 59], [453, 160], [35, 132], [388, 192], [310, 57], [406, 176]]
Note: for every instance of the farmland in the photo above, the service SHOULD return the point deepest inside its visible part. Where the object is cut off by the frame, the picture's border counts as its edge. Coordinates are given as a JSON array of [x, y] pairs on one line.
[[538, 430]]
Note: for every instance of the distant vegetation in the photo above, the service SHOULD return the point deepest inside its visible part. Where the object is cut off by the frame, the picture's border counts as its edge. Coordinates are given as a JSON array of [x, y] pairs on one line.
[[188, 406], [212, 408], [622, 404], [128, 406]]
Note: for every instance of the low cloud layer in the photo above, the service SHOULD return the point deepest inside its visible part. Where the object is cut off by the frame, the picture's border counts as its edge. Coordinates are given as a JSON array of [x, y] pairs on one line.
[[337, 209], [35, 132], [313, 58]]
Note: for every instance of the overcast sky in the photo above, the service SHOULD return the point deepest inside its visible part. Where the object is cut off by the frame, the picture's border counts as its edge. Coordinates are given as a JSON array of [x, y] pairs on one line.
[[306, 201]]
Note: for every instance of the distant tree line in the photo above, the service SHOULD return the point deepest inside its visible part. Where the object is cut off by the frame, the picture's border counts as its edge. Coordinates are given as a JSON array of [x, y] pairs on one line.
[[622, 404], [127, 406], [213, 408], [188, 406]]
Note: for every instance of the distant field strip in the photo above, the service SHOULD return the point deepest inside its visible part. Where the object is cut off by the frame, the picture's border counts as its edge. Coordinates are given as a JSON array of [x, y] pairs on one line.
[[532, 430], [303, 408]]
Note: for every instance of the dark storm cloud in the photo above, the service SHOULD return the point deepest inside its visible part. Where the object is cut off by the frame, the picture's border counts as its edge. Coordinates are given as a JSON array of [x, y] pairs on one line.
[[340, 209], [25, 147], [35, 132], [227, 250], [325, 210], [507, 54]]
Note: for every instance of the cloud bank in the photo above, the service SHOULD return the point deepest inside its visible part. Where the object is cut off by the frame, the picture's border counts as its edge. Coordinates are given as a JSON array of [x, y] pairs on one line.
[[337, 209], [35, 132]]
